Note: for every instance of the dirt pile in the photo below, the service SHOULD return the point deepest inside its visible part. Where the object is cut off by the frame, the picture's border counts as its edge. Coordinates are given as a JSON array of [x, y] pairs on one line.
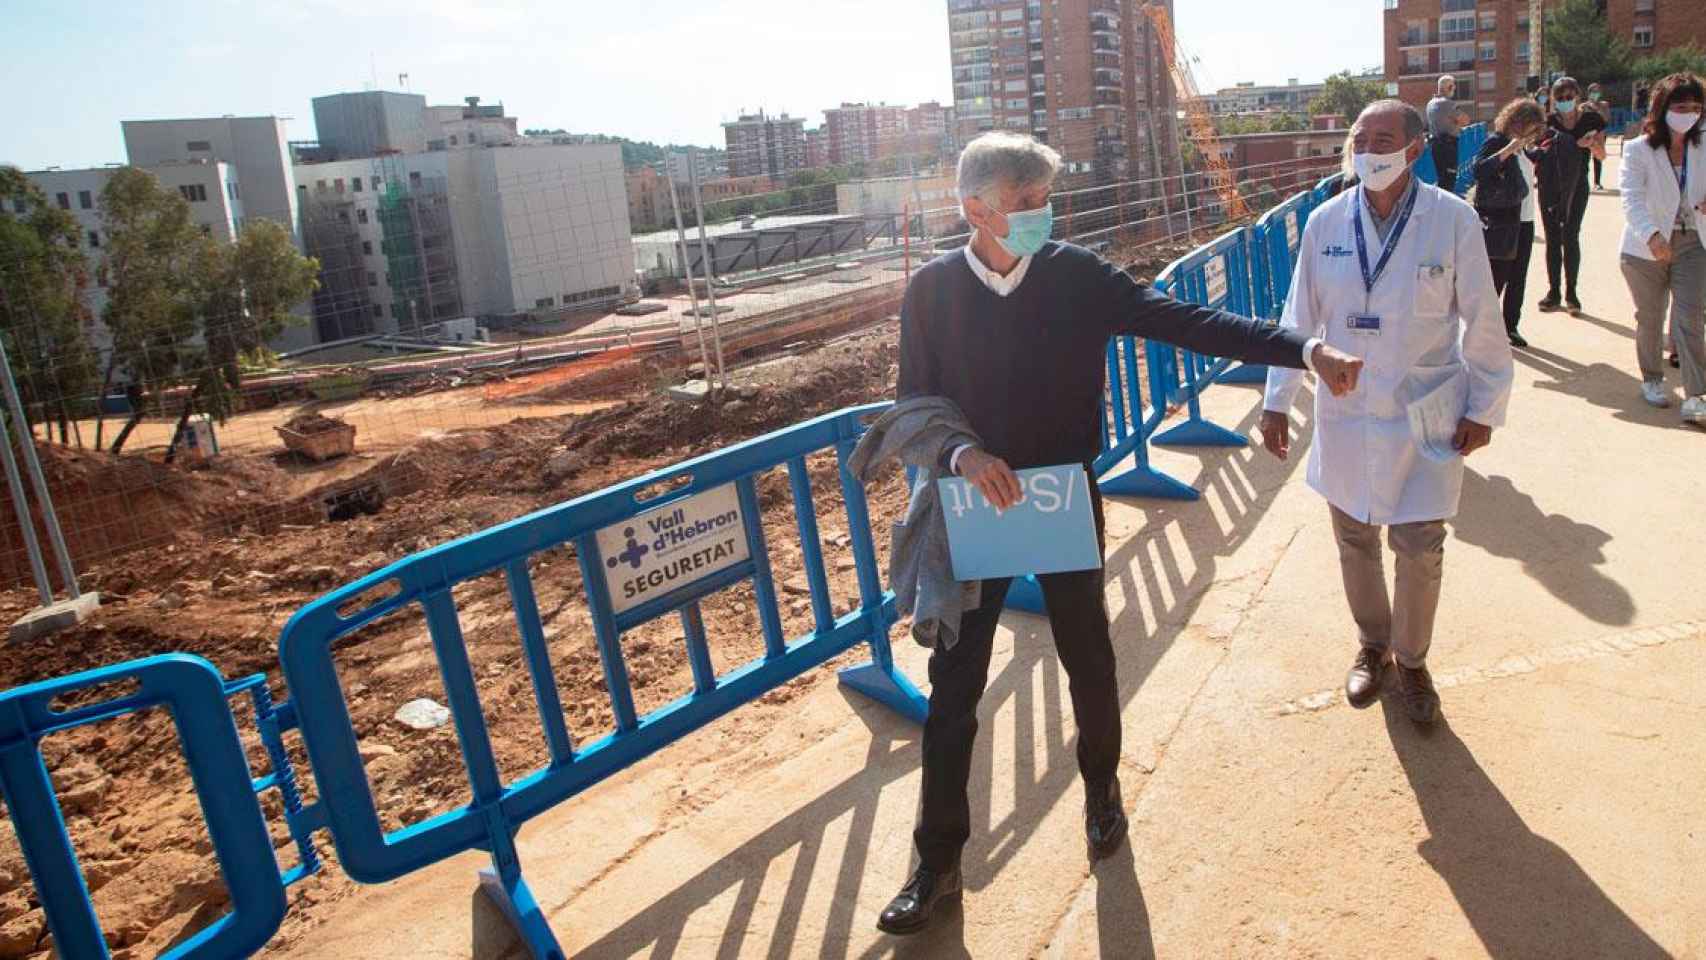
[[313, 424]]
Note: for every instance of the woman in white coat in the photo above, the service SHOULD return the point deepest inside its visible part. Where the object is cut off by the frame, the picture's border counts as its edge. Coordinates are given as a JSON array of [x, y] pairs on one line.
[[1664, 207], [1394, 272]]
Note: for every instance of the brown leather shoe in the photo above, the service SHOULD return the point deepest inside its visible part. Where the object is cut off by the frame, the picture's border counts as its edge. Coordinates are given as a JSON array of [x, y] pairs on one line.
[[1416, 686], [1363, 682]]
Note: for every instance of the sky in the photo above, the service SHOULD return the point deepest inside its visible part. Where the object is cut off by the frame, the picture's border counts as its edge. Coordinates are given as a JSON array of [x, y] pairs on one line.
[[663, 70]]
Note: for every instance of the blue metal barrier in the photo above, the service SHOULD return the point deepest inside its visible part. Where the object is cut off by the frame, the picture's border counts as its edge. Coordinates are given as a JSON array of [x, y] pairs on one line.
[[197, 698], [1274, 243], [1213, 275]]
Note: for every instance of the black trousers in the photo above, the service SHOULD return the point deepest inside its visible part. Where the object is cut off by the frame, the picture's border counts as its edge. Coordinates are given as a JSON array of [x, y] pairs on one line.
[[1510, 277], [1445, 161], [1598, 172], [1078, 615], [1564, 242]]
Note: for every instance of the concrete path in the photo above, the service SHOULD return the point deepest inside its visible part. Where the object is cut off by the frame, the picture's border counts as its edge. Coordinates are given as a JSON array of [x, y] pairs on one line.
[[1556, 813]]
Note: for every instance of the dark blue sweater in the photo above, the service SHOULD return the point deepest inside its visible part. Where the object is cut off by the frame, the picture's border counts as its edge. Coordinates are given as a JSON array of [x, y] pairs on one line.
[[1029, 369]]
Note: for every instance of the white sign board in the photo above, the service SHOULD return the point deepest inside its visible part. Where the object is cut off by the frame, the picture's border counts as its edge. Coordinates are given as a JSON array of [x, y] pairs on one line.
[[1291, 231], [672, 547], [1215, 272]]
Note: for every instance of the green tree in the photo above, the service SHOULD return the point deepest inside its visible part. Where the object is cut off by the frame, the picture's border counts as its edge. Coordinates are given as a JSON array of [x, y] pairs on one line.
[[1690, 58], [1286, 123], [1346, 95], [1579, 44], [154, 253], [247, 291], [43, 313]]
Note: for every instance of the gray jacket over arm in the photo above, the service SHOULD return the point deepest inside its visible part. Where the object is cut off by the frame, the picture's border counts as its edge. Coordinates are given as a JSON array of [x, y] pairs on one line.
[[921, 432]]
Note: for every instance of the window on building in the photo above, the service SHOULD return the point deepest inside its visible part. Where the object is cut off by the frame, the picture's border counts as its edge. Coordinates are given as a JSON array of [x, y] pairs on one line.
[[1486, 81], [1643, 36], [1489, 51], [1522, 51], [414, 178], [85, 200], [379, 310], [338, 185], [453, 139], [1643, 6], [198, 146], [94, 239], [194, 192], [372, 279], [319, 186], [1415, 61], [18, 206], [361, 215], [355, 184], [1489, 20], [1456, 27], [378, 184], [367, 248], [64, 200]]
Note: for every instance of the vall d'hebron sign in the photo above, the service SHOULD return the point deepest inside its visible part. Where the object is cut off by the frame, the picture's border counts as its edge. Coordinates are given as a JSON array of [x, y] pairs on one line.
[[668, 548]]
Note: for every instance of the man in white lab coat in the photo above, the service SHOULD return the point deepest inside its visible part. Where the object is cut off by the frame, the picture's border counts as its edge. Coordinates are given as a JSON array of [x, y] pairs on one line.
[[1394, 272]]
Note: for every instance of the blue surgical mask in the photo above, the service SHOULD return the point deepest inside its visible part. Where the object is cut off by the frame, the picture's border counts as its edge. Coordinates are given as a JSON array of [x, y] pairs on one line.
[[1565, 106], [1028, 230]]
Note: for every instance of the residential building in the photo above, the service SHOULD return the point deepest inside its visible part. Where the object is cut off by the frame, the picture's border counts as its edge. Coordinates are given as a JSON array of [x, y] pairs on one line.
[[1291, 98], [1280, 164], [210, 186], [1486, 47], [369, 123], [1084, 75], [706, 164], [817, 148], [411, 239], [930, 129], [861, 132], [458, 126], [650, 206], [1654, 26], [761, 145]]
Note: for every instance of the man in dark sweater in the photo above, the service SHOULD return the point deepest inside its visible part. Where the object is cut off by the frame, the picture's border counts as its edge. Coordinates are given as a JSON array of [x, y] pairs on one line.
[[1014, 329]]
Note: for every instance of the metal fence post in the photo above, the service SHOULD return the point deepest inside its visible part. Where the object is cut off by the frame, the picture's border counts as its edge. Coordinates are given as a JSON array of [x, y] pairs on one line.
[[21, 427]]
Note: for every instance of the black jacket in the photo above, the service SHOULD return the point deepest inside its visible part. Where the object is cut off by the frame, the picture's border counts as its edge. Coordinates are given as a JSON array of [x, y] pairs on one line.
[[1559, 166], [1499, 184]]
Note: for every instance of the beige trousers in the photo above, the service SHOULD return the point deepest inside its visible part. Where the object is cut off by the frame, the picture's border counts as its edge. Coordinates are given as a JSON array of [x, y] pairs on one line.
[[1405, 623]]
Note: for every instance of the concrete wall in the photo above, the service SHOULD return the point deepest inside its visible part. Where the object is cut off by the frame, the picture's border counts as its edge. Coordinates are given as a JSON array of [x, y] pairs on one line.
[[558, 222], [256, 146], [370, 122]]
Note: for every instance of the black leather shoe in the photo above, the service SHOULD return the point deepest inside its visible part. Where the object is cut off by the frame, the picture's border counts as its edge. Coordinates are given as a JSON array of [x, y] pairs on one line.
[[1573, 305], [1104, 820], [1421, 701], [1550, 303], [910, 910], [1517, 340], [1368, 672]]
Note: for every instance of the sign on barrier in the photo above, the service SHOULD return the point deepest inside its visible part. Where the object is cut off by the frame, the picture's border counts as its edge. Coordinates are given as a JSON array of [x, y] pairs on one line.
[[672, 547]]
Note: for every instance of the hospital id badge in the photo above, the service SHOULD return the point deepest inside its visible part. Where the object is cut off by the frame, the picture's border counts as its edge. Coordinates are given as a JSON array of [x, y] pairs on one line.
[[1364, 324]]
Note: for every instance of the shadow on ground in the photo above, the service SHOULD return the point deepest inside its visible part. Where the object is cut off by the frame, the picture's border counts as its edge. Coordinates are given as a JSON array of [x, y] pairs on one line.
[[1524, 895]]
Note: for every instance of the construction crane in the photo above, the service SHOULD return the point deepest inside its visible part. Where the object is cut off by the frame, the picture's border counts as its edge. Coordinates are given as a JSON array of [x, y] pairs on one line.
[[1197, 118]]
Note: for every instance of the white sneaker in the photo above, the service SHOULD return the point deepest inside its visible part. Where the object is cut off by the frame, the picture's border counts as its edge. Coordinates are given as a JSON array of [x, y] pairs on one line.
[[1694, 410], [1654, 392]]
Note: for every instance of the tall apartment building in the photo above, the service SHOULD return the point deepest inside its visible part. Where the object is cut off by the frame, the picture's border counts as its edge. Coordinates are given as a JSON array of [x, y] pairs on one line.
[[1083, 75], [930, 129], [1488, 46], [210, 186], [760, 145], [817, 148], [861, 132]]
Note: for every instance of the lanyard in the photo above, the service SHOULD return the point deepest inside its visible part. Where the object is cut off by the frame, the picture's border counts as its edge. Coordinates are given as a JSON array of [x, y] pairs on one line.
[[1370, 279]]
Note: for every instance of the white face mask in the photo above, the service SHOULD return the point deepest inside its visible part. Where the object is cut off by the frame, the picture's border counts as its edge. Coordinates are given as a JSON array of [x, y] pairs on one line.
[[1377, 171], [1681, 122]]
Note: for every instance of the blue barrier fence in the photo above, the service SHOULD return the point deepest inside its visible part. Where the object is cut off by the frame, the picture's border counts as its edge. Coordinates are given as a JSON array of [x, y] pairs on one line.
[[1469, 142], [714, 497]]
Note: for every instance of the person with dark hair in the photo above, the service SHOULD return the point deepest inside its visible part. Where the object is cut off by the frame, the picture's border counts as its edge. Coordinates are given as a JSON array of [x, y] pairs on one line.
[[1664, 207], [1504, 199], [1586, 132]]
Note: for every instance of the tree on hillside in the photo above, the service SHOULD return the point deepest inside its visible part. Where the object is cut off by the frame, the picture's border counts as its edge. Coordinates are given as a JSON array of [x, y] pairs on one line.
[[1580, 45], [1286, 123], [154, 251], [1346, 95], [1652, 68], [43, 280]]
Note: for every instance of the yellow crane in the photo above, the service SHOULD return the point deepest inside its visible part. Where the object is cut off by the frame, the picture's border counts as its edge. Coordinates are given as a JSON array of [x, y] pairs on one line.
[[1200, 124]]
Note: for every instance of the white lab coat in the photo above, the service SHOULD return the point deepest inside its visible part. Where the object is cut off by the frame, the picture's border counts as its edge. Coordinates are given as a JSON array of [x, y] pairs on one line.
[[1652, 195], [1439, 319]]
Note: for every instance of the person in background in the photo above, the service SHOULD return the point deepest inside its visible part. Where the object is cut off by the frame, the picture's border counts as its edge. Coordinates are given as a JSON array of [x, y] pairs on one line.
[[1505, 200], [1564, 223], [1442, 131], [1597, 103], [1394, 272], [1664, 207]]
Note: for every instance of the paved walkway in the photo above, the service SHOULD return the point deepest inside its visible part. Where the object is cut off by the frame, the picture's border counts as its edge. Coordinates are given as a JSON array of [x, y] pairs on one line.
[[1556, 814]]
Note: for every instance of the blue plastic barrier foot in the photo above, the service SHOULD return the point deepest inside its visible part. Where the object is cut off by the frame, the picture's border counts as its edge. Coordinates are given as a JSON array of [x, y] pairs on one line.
[[888, 687], [1026, 596], [1245, 373], [1199, 433], [516, 902], [1145, 482]]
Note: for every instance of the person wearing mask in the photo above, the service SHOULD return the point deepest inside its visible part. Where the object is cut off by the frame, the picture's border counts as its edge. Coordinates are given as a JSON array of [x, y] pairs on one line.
[[1505, 200], [1597, 103], [1443, 130], [1664, 207], [1564, 220], [1014, 330], [1394, 272]]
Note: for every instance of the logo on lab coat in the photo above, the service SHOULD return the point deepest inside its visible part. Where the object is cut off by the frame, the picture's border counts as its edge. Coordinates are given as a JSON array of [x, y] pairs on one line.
[[1334, 250]]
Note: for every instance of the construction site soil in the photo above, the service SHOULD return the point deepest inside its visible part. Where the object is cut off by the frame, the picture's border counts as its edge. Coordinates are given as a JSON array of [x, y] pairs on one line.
[[219, 579]]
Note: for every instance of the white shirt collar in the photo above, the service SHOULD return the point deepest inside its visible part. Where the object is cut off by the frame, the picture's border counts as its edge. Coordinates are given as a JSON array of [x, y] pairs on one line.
[[999, 285]]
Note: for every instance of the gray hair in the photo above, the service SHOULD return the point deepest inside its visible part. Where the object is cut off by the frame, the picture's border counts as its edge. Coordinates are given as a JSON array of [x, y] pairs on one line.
[[1444, 80], [1414, 125], [1001, 159]]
